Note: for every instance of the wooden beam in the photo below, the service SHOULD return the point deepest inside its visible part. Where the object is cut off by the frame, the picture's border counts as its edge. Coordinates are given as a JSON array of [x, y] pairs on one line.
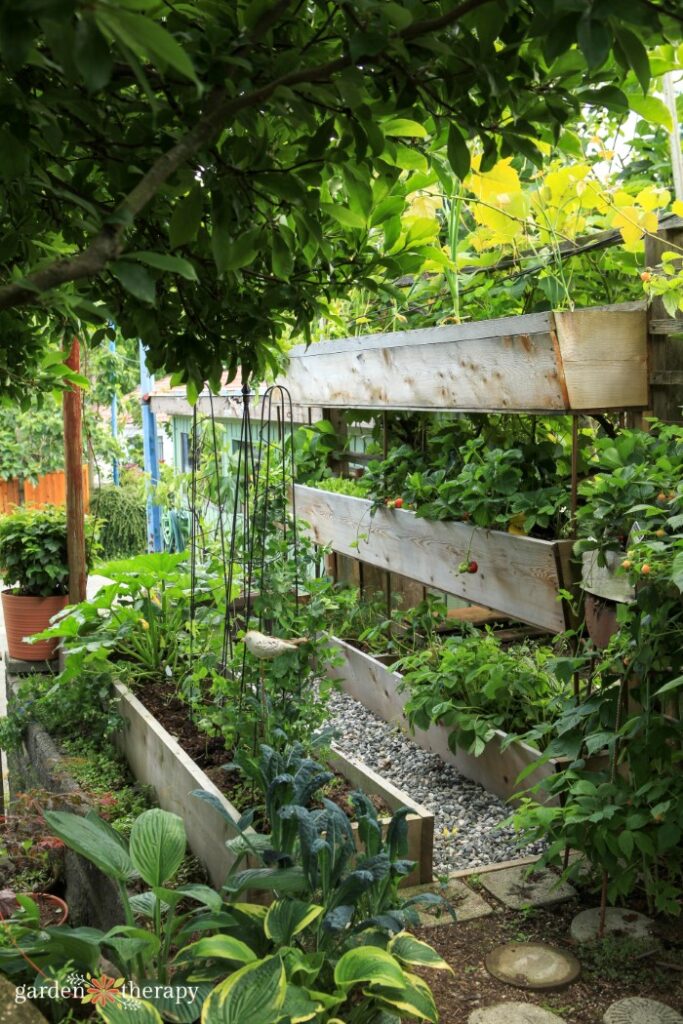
[[224, 407], [73, 459]]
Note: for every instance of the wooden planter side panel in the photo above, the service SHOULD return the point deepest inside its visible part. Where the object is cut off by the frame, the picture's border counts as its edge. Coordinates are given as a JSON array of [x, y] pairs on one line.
[[420, 820], [516, 575], [583, 360], [376, 688], [604, 357], [157, 760]]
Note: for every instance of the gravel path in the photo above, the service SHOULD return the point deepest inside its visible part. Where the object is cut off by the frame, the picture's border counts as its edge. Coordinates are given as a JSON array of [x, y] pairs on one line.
[[465, 815]]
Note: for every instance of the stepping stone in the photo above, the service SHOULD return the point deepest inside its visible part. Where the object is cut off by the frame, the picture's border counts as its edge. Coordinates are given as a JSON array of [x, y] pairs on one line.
[[514, 889], [641, 1011], [532, 965], [12, 1012], [465, 901], [618, 921], [513, 1013]]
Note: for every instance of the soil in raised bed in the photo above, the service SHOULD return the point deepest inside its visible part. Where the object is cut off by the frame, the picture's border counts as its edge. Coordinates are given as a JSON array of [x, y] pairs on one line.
[[610, 971], [209, 753]]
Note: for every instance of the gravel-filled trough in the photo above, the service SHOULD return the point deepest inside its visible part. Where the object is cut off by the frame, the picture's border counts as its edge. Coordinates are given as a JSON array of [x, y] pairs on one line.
[[467, 819], [378, 689]]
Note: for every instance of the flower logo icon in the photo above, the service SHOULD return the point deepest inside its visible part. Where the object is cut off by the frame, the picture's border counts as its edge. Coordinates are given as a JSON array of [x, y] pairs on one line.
[[103, 991]]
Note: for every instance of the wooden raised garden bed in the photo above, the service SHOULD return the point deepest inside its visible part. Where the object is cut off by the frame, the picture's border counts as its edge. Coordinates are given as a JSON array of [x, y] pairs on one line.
[[517, 575], [580, 361], [156, 759], [368, 681]]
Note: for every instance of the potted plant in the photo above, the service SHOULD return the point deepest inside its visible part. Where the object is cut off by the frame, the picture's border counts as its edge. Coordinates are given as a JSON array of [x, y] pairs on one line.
[[33, 558]]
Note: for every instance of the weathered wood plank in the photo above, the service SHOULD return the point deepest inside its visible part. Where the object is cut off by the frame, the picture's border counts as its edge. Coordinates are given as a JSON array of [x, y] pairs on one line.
[[420, 821], [604, 357], [512, 364], [372, 684], [156, 759], [516, 575]]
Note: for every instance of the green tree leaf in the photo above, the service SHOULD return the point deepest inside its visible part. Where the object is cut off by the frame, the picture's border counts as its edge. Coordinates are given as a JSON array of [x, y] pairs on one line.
[[281, 257], [135, 279], [92, 54], [651, 109], [161, 261], [343, 215], [186, 218], [458, 151], [148, 38], [402, 127], [594, 39], [636, 56]]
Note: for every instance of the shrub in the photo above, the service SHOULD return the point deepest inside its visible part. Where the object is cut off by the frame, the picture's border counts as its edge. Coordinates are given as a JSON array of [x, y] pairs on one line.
[[33, 553], [122, 515]]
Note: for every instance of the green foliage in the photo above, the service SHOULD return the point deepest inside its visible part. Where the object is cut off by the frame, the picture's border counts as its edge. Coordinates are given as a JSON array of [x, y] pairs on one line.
[[636, 479], [31, 441], [307, 150], [474, 686], [343, 485], [621, 795], [312, 947], [492, 471], [33, 552], [122, 515], [99, 770], [313, 446]]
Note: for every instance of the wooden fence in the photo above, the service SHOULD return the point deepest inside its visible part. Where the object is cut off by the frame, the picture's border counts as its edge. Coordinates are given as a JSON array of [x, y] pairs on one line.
[[49, 489]]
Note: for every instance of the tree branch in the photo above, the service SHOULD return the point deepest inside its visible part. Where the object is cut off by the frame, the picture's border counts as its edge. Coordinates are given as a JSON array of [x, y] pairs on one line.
[[109, 243]]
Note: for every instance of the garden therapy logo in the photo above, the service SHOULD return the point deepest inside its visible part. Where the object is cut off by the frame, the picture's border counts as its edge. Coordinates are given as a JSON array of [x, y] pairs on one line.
[[104, 990]]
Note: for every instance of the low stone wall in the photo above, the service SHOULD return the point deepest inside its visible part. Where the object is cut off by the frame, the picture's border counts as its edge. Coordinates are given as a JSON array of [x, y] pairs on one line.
[[93, 898]]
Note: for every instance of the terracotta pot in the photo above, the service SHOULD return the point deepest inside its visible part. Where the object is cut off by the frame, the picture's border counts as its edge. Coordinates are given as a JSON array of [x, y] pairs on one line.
[[25, 616], [53, 910], [601, 619]]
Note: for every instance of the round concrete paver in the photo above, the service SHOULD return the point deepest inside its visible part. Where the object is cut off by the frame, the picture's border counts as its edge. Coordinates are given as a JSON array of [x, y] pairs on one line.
[[641, 1011], [532, 965], [513, 1013], [584, 927]]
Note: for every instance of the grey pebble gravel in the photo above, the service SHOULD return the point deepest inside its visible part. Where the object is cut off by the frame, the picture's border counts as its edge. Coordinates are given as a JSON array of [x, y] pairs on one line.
[[456, 802]]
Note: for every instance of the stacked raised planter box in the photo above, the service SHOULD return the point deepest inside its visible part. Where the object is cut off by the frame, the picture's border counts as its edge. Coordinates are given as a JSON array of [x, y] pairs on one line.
[[588, 360]]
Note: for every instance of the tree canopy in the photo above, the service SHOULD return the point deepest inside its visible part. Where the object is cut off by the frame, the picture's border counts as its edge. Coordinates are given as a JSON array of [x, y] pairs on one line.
[[209, 174]]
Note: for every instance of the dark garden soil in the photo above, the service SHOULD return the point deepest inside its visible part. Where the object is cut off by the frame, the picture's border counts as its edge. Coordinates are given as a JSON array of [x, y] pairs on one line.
[[610, 971], [209, 753]]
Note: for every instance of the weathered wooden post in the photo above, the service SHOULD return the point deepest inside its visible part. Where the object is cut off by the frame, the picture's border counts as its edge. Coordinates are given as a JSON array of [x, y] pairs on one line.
[[666, 333], [73, 458]]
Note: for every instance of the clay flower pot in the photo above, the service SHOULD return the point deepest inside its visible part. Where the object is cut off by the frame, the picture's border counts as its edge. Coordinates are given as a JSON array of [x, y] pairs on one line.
[[25, 616], [53, 910]]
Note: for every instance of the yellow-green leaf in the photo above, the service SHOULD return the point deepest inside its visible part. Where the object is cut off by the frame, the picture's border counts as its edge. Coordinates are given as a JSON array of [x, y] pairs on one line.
[[402, 127]]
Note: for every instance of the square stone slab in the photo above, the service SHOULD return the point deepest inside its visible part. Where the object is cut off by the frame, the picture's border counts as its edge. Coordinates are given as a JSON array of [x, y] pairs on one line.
[[514, 890], [467, 903]]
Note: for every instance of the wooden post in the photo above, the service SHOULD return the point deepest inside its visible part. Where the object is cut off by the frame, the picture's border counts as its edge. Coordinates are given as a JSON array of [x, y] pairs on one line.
[[666, 344], [73, 457]]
